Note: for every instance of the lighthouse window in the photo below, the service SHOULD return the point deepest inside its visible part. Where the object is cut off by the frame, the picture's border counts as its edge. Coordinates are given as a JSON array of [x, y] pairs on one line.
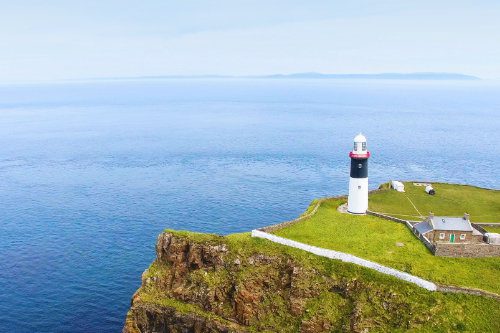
[[363, 145], [360, 166], [355, 146]]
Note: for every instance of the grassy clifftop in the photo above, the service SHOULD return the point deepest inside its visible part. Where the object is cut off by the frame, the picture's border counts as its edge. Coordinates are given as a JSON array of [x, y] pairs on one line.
[[208, 283], [483, 205], [392, 244]]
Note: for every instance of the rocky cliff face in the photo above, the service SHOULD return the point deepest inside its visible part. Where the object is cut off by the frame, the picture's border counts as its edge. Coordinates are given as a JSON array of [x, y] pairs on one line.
[[202, 283]]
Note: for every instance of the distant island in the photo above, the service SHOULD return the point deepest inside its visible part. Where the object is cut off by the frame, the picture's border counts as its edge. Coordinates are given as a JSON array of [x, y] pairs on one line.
[[381, 76], [314, 75]]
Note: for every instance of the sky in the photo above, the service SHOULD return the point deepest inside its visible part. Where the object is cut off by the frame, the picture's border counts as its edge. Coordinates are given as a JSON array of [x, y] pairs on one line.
[[60, 39]]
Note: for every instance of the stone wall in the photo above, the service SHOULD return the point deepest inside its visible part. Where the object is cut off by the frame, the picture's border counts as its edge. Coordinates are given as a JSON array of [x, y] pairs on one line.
[[480, 228], [466, 250], [470, 291], [317, 204], [275, 227], [424, 240], [387, 217]]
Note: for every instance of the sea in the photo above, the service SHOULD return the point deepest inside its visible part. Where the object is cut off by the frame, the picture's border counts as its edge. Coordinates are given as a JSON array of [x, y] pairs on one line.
[[92, 171]]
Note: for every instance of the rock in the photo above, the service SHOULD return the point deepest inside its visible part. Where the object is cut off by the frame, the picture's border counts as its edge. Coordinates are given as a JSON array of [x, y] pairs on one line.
[[167, 319], [315, 325], [204, 285]]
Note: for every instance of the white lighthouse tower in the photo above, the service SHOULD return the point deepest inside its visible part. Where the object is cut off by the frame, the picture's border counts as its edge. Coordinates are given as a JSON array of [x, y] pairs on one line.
[[357, 203]]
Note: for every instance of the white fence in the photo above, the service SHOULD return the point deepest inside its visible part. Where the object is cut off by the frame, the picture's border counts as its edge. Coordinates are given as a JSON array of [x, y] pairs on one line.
[[346, 258]]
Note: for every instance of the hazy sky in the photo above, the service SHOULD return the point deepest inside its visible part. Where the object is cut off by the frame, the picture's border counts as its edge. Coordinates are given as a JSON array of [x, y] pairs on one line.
[[50, 39]]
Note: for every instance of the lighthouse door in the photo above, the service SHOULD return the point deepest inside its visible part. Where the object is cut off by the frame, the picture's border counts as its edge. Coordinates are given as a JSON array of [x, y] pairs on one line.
[[452, 238]]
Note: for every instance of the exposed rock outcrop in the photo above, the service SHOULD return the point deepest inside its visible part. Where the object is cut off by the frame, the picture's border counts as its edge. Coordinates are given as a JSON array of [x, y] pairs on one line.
[[204, 283]]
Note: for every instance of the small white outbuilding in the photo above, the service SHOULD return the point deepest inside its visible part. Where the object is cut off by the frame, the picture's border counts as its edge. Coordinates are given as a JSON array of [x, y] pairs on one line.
[[493, 238], [429, 189], [398, 186]]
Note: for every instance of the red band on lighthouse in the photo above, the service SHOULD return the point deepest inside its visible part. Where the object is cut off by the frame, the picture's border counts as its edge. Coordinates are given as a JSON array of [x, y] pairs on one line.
[[359, 156]]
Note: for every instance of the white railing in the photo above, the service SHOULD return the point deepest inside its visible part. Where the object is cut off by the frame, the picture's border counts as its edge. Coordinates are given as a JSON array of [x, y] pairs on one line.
[[346, 257]]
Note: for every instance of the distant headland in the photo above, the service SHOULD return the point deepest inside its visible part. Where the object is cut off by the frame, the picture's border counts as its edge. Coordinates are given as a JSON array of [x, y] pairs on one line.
[[314, 75], [381, 76]]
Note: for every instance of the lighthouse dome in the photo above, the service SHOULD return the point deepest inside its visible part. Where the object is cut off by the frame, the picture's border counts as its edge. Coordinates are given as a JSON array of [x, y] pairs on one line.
[[359, 138]]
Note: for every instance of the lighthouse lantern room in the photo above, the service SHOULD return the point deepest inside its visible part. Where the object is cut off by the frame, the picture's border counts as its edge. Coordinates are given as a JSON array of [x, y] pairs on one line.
[[357, 202]]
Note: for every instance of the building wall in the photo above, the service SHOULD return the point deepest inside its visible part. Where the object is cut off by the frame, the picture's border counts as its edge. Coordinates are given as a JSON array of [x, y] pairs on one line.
[[466, 250], [433, 236]]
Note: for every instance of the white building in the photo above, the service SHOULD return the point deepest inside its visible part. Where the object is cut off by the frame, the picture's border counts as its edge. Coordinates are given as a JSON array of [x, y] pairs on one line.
[[398, 186]]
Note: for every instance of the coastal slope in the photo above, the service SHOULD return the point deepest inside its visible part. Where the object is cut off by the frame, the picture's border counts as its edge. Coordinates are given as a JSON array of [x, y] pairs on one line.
[[209, 283]]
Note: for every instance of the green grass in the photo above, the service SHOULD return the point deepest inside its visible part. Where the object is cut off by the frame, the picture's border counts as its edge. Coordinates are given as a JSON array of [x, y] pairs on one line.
[[152, 296], [426, 311], [197, 237], [483, 205], [492, 228], [376, 239]]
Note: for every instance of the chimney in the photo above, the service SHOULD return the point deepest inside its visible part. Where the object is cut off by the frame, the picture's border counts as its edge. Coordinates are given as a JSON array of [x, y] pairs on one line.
[[431, 216], [466, 216]]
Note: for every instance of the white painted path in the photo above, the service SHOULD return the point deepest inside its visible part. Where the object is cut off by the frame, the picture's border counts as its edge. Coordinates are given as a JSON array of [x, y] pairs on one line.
[[346, 257]]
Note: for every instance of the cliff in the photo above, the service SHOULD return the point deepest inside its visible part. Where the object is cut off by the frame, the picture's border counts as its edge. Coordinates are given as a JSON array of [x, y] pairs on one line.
[[207, 283]]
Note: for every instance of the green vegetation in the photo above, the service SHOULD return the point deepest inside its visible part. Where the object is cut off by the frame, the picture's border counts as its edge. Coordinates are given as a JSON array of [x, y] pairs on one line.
[[151, 295], [196, 237], [483, 205], [391, 244], [261, 286], [492, 228], [329, 290]]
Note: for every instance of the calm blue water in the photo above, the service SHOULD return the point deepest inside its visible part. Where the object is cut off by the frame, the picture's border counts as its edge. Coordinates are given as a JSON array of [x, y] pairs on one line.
[[90, 173]]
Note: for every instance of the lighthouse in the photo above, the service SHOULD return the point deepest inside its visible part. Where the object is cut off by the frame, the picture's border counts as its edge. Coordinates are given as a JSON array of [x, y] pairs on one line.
[[357, 203]]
